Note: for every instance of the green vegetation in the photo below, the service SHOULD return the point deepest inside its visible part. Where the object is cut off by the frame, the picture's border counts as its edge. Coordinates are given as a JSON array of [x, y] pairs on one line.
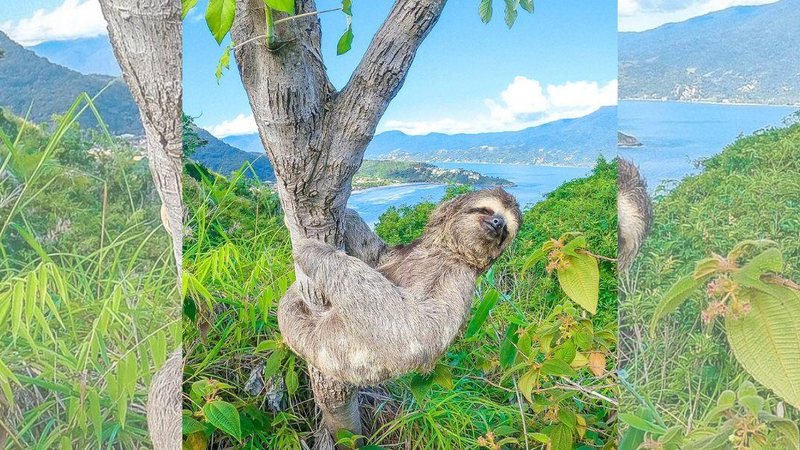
[[35, 87], [532, 366], [87, 287], [679, 375], [382, 173]]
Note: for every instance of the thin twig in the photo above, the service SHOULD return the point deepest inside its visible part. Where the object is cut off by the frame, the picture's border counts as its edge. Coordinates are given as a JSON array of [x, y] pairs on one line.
[[605, 258], [312, 13], [589, 391], [521, 415], [776, 279]]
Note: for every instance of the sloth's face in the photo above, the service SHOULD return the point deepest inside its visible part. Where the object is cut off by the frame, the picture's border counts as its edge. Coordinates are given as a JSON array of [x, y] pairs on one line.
[[480, 224]]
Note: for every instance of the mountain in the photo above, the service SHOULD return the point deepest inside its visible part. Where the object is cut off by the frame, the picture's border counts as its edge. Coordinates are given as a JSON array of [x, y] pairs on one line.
[[86, 55], [742, 54], [247, 142], [30, 81], [576, 142], [224, 158]]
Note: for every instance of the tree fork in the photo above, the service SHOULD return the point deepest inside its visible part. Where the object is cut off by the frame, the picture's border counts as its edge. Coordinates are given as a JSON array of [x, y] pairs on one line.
[[316, 137]]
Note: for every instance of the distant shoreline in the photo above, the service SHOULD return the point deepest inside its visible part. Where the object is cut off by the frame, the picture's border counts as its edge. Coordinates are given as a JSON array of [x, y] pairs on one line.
[[706, 102]]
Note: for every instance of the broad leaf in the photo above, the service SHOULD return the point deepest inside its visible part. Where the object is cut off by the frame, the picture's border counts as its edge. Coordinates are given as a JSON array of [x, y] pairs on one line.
[[219, 17], [557, 367], [527, 5], [482, 313], [286, 6], [346, 41], [186, 6], [485, 10], [765, 342], [224, 416], [561, 438], [580, 280], [511, 12], [508, 349], [642, 424], [677, 294]]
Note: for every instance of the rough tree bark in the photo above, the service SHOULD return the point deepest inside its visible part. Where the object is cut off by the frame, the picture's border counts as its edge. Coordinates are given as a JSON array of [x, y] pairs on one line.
[[315, 136], [146, 36], [147, 41]]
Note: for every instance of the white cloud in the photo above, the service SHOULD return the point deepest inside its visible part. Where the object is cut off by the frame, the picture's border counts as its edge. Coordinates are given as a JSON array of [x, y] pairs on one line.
[[524, 103], [640, 15], [71, 20], [239, 125]]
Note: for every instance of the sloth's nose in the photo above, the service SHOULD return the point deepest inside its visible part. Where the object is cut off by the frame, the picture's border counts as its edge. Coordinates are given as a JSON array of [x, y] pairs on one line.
[[498, 222]]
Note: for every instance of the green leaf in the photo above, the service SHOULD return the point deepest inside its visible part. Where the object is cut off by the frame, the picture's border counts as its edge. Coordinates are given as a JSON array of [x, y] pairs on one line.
[[534, 258], [557, 367], [273, 363], [286, 6], [346, 41], [511, 12], [347, 7], [224, 62], [485, 10], [561, 438], [527, 5], [191, 425], [580, 280], [642, 424], [292, 381], [508, 348], [765, 339], [443, 376], [527, 383], [677, 294], [419, 385], [482, 313], [219, 17], [224, 416], [96, 417], [631, 439], [267, 345], [186, 6], [787, 428], [753, 403]]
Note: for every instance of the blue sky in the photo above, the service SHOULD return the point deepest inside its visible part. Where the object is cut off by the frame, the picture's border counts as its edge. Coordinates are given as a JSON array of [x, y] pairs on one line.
[[468, 77], [459, 75]]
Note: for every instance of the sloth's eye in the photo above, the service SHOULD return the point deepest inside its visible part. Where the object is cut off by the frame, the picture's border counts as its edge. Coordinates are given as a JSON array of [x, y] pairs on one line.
[[485, 211]]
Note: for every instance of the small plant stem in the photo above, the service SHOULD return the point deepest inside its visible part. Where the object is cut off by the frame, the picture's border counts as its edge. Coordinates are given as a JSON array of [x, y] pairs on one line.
[[589, 391], [270, 35], [521, 415], [604, 258]]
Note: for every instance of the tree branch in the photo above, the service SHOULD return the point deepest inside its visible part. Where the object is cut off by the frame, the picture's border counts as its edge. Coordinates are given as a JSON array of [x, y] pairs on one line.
[[383, 69]]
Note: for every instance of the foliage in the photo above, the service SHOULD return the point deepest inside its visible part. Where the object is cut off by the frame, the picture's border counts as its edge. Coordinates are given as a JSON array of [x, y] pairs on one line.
[[748, 193], [237, 263], [85, 285]]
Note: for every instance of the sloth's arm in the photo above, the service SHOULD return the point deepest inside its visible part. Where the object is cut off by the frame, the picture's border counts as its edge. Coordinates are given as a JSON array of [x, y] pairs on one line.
[[341, 277], [360, 241]]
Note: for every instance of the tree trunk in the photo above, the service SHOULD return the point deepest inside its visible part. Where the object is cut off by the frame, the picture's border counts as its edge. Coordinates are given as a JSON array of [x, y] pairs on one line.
[[315, 136], [146, 36], [147, 41]]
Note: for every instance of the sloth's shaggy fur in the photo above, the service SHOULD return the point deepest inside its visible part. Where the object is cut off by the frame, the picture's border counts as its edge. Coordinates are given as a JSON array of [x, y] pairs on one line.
[[635, 212], [395, 310]]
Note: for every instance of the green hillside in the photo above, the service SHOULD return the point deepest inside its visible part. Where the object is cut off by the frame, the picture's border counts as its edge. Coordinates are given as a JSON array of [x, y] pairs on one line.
[[382, 173], [749, 191], [31, 83]]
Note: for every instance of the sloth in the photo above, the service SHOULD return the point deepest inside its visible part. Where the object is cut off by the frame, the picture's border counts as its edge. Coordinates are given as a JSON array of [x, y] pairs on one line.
[[394, 310], [634, 210]]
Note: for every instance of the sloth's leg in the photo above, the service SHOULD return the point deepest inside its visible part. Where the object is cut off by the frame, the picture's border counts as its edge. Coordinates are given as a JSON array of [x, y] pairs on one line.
[[360, 241], [343, 278]]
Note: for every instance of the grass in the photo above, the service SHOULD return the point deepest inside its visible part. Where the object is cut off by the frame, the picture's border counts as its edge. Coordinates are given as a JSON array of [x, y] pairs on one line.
[[237, 261], [85, 286], [751, 190]]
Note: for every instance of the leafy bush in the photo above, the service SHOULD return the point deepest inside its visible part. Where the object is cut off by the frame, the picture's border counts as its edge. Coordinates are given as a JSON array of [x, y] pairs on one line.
[[85, 287], [237, 263], [748, 193]]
